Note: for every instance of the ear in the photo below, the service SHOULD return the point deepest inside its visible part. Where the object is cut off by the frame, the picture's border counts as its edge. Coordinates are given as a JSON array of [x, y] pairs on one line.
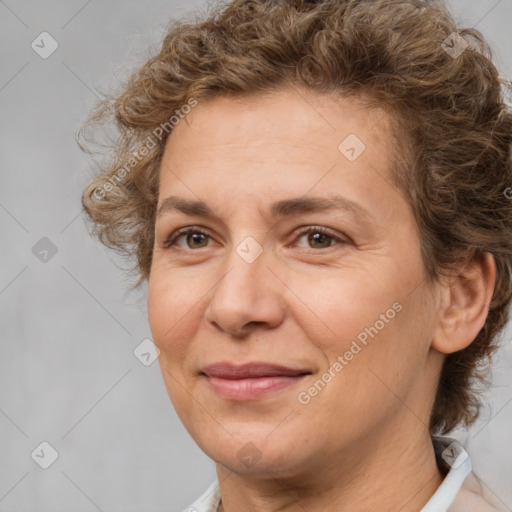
[[464, 304]]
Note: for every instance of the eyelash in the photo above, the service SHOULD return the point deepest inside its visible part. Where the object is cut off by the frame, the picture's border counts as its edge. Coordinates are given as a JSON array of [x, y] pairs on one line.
[[170, 242]]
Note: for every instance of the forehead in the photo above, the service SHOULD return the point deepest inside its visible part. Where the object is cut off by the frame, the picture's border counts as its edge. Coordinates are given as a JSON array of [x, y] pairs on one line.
[[290, 116], [284, 143]]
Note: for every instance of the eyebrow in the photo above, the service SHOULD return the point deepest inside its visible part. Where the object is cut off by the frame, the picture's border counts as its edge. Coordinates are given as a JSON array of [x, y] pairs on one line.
[[279, 209]]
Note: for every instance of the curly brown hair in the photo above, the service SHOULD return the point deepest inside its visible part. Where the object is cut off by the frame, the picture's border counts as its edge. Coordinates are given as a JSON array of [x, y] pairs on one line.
[[453, 129]]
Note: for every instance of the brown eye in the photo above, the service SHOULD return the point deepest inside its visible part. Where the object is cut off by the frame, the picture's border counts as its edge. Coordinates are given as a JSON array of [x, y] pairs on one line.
[[320, 238], [194, 239]]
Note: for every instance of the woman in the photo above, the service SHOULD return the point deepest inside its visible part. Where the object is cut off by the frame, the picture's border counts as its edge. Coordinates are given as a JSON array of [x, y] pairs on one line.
[[319, 376]]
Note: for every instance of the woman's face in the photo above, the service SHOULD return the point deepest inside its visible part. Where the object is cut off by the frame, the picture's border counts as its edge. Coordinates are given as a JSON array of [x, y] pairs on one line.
[[269, 276]]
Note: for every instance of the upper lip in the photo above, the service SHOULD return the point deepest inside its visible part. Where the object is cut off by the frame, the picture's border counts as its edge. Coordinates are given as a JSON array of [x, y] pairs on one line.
[[226, 370]]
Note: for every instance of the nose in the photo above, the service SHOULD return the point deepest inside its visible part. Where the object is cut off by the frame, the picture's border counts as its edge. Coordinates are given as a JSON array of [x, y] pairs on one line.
[[247, 297]]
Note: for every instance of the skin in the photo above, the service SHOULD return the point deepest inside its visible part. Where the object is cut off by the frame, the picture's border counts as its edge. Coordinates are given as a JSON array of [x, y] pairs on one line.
[[362, 443]]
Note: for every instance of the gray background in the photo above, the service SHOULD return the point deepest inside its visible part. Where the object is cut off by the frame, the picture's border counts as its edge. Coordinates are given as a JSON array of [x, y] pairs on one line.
[[68, 373]]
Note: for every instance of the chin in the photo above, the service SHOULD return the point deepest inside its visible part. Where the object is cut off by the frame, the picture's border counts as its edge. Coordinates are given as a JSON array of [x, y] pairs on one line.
[[251, 450]]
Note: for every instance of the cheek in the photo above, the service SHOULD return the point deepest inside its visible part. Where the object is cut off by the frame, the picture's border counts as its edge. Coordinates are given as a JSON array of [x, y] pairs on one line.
[[342, 307], [377, 331], [170, 314]]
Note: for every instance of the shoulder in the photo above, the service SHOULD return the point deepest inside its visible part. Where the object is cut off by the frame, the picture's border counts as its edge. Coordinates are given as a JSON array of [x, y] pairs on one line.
[[461, 490], [474, 497]]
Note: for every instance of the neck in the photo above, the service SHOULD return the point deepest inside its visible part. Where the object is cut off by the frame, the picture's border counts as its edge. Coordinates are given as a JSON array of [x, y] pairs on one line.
[[390, 472]]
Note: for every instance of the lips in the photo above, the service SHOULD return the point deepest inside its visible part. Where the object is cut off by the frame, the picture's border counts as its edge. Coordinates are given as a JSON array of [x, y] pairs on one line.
[[251, 381], [250, 370]]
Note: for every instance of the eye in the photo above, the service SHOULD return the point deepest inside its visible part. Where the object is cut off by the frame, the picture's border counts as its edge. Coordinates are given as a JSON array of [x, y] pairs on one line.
[[320, 237], [196, 238], [193, 236]]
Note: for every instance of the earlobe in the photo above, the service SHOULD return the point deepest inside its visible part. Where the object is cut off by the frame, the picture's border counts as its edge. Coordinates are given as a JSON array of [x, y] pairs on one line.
[[464, 304]]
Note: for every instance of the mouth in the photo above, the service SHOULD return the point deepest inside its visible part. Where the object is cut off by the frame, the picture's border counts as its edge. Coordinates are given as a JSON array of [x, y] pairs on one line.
[[251, 381]]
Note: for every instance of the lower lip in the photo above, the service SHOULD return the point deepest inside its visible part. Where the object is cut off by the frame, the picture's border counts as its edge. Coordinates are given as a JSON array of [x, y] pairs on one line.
[[251, 388]]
